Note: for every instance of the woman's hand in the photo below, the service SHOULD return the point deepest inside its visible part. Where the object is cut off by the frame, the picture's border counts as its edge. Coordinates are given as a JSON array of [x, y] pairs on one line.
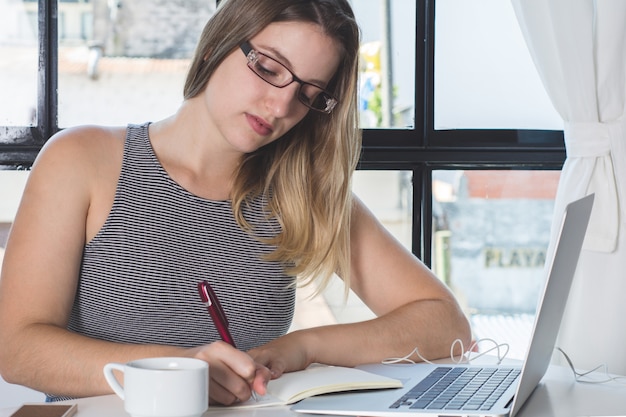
[[286, 354], [233, 374]]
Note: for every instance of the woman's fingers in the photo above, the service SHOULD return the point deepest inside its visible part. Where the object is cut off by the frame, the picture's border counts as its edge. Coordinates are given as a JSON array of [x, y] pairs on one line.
[[233, 374]]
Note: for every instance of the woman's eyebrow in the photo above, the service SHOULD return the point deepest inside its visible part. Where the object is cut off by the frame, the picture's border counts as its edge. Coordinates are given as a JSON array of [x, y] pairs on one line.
[[278, 56], [275, 53]]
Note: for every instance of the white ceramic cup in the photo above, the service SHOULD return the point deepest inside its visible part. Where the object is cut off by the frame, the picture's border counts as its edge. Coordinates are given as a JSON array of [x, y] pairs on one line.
[[162, 387]]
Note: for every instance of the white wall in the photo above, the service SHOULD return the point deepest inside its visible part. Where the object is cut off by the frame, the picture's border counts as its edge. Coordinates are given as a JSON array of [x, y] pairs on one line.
[[11, 188]]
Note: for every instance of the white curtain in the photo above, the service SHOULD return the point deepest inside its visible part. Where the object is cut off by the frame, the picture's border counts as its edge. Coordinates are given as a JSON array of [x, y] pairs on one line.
[[579, 49]]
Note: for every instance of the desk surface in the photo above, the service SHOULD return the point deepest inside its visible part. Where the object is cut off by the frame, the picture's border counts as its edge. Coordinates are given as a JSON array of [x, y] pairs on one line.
[[558, 395]]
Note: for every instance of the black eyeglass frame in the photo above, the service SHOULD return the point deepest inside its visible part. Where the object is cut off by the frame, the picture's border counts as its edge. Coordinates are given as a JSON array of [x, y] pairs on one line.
[[252, 56]]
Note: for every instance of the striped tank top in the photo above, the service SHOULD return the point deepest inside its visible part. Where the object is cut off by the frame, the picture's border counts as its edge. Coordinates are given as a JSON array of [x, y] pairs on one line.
[[139, 274]]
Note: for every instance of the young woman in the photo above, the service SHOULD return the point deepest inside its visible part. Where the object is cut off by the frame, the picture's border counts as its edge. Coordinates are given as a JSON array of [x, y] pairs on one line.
[[247, 186]]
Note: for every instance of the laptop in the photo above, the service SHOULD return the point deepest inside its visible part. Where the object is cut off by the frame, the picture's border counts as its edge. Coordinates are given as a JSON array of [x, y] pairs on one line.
[[422, 383]]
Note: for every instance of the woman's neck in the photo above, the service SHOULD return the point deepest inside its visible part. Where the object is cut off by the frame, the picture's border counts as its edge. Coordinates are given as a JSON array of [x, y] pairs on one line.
[[189, 150]]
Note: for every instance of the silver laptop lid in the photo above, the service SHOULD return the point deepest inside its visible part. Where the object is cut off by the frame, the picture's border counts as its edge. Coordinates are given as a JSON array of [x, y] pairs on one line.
[[552, 304]]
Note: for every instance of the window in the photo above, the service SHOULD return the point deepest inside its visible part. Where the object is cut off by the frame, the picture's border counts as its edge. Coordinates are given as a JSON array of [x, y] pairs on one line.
[[490, 234], [461, 144], [486, 81], [18, 75], [387, 85]]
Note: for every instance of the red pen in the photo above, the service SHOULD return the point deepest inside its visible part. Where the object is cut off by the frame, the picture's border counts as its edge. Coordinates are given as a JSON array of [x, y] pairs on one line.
[[216, 311], [217, 315]]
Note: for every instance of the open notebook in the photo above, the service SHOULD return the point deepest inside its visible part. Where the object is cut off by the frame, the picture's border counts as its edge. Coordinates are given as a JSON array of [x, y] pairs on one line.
[[318, 379], [434, 390]]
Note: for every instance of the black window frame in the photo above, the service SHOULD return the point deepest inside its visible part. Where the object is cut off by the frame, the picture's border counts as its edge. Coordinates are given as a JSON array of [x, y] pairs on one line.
[[19, 145], [421, 149]]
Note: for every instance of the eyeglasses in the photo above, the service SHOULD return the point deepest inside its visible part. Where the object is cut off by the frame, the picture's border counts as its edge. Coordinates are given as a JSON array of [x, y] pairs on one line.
[[278, 75]]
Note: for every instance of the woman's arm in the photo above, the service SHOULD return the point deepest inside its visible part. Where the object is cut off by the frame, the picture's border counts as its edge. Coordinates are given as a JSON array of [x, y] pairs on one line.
[[66, 199], [40, 272], [413, 308]]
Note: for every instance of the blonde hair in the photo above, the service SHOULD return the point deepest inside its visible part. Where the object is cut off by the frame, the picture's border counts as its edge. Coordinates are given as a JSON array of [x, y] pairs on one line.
[[306, 173]]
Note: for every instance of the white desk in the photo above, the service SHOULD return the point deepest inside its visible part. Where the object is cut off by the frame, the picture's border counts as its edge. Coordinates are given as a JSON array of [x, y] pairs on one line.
[[558, 395]]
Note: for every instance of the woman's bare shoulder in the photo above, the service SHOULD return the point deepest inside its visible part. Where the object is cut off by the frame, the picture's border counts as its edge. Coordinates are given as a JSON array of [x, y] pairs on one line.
[[86, 138], [83, 145]]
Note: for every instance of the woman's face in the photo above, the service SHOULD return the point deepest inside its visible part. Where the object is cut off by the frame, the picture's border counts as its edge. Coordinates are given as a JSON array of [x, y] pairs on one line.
[[248, 112]]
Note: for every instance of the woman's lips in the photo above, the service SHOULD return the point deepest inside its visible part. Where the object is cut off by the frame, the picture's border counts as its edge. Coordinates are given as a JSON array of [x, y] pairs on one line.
[[259, 125]]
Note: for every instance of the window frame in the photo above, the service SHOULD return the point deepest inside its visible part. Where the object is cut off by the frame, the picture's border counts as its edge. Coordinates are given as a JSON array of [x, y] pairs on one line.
[[421, 149], [19, 145]]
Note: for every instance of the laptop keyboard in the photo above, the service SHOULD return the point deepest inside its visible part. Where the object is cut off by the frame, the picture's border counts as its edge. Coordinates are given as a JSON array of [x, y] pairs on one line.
[[459, 388]]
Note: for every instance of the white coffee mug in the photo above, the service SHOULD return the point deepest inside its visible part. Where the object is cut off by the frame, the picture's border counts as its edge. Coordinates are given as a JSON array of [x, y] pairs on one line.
[[162, 387]]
